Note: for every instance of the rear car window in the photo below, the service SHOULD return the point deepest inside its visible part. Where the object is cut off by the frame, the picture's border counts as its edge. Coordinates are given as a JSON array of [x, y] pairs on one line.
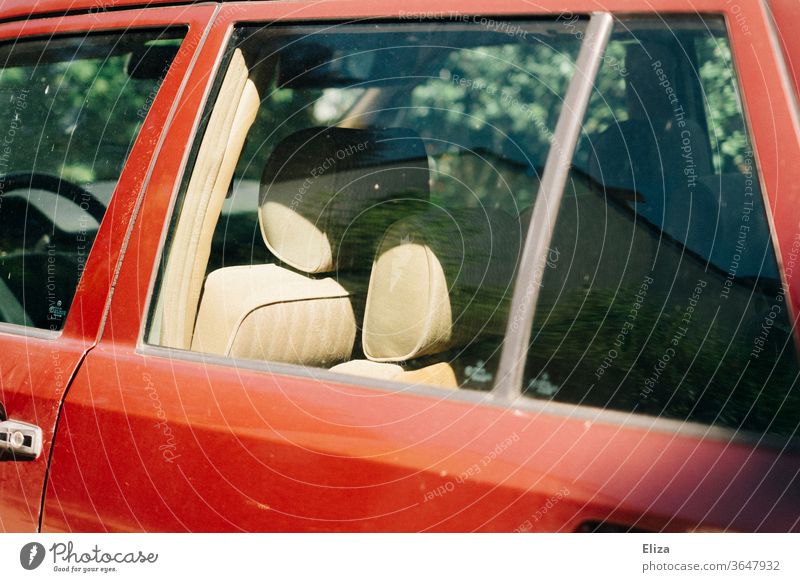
[[363, 190], [665, 296], [70, 111]]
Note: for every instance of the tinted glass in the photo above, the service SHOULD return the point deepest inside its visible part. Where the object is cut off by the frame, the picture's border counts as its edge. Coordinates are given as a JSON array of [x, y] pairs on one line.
[[663, 294]]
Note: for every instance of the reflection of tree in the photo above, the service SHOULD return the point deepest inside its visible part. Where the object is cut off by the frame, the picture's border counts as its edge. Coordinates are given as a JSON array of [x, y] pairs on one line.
[[715, 77], [492, 135], [82, 114], [728, 142]]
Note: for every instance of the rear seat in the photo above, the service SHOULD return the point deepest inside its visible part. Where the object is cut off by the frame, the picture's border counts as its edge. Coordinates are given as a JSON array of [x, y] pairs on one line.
[[327, 196]]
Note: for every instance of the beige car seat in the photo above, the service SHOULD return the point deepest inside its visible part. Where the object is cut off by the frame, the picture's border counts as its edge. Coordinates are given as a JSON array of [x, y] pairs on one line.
[[327, 196], [440, 281]]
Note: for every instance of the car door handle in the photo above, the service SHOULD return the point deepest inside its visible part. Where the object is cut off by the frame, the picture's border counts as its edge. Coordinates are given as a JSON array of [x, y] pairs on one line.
[[19, 441]]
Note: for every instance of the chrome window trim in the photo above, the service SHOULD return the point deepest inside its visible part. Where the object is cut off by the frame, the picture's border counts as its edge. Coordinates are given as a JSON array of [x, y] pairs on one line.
[[545, 209], [20, 330]]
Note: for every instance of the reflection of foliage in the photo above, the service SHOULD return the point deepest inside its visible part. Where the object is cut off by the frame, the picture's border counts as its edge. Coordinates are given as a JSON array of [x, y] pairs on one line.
[[608, 100], [78, 118], [516, 91], [505, 113], [715, 77], [68, 108], [486, 144], [728, 141], [710, 379]]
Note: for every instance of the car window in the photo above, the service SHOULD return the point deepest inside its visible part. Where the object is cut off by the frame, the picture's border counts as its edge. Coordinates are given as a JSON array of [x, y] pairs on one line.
[[368, 210], [665, 296], [70, 110]]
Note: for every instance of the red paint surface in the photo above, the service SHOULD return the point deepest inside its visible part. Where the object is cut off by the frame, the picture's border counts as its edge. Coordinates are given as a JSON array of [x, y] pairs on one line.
[[36, 372]]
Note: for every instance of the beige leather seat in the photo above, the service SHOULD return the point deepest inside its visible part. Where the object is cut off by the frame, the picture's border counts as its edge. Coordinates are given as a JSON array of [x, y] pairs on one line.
[[440, 281], [327, 196]]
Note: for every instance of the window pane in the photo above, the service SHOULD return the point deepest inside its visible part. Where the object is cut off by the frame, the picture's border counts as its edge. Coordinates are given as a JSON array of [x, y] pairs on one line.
[[663, 295], [70, 110], [381, 196]]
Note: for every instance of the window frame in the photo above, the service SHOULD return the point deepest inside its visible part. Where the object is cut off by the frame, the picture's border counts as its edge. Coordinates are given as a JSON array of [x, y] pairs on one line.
[[92, 294], [134, 329]]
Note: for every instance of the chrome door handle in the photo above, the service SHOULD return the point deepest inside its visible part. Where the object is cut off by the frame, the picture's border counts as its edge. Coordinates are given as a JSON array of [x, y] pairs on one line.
[[19, 441]]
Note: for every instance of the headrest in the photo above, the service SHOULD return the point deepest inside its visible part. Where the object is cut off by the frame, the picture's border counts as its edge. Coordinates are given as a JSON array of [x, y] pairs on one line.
[[328, 194], [439, 281]]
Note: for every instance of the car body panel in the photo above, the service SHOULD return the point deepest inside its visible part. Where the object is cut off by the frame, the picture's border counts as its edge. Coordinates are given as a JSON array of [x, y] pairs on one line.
[[43, 8], [786, 15], [159, 440], [37, 367], [191, 447]]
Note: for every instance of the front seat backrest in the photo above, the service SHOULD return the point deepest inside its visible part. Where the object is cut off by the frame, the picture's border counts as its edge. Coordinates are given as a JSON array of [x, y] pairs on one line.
[[326, 195]]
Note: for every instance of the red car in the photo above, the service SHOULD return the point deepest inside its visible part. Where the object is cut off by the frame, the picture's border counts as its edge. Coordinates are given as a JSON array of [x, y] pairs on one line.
[[454, 266]]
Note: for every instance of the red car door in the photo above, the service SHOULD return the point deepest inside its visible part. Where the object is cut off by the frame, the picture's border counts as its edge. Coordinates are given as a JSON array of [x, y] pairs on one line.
[[43, 339], [160, 439]]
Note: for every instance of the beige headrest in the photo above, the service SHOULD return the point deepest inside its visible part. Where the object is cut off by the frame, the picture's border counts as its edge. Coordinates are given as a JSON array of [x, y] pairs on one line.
[[440, 280], [327, 194]]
